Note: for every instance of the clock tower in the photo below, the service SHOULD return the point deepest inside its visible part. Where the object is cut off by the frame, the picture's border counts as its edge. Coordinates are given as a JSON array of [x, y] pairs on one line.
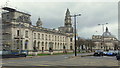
[[67, 28], [68, 24], [68, 19]]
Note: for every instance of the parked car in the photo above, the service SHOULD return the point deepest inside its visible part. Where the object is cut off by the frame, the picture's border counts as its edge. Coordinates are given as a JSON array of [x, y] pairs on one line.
[[105, 53], [111, 53], [98, 53], [13, 54], [116, 52], [118, 55], [24, 52]]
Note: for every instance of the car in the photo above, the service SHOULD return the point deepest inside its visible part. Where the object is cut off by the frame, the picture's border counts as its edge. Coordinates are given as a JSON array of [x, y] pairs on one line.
[[118, 55], [105, 53], [24, 53], [13, 54], [111, 53], [98, 53], [116, 52]]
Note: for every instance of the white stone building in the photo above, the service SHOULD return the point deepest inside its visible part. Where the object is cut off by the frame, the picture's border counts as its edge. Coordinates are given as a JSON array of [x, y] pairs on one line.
[[106, 41], [19, 33]]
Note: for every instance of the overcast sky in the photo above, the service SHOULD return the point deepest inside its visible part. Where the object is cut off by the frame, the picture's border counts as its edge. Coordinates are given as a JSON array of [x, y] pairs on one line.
[[52, 14]]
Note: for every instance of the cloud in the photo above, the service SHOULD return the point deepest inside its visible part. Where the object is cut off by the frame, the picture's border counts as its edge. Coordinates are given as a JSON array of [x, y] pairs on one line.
[[98, 30], [92, 13]]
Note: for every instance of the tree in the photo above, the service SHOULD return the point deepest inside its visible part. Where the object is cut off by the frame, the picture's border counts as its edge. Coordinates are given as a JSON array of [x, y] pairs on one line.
[[89, 44], [80, 42]]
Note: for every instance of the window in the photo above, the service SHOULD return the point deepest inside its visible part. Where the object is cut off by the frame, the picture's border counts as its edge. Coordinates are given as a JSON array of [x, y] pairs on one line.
[[58, 38], [17, 41], [34, 35], [101, 43], [49, 37], [7, 16], [70, 39], [71, 47], [39, 45], [52, 38], [42, 36], [55, 38], [46, 37], [26, 34], [18, 33], [38, 35], [34, 45], [58, 45], [46, 46], [26, 44]]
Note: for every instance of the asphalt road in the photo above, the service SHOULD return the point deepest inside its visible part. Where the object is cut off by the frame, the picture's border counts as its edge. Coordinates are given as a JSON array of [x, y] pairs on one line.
[[62, 60], [44, 58]]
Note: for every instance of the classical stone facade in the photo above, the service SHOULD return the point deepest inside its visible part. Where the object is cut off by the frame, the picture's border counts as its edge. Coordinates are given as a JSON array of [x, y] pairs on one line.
[[19, 33], [106, 41]]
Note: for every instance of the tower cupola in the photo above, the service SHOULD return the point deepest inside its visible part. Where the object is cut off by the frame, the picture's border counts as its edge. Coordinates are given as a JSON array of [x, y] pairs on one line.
[[39, 23], [68, 19]]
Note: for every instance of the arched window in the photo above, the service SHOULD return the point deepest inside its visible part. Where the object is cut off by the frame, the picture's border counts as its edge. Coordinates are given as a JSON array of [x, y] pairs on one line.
[[17, 41], [64, 47], [26, 44], [26, 34], [61, 46], [38, 35], [42, 43], [42, 36], [42, 46], [71, 47], [38, 45], [34, 35]]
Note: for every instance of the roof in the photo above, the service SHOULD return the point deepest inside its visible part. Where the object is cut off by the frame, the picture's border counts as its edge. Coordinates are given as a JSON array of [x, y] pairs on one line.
[[107, 33], [9, 9], [23, 13], [14, 10]]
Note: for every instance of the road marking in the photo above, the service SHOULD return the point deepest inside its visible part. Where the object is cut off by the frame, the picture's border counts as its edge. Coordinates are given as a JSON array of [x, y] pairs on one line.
[[65, 57], [42, 65]]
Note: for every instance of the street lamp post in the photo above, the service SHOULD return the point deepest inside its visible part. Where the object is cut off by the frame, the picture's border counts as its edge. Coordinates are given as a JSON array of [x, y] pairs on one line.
[[102, 32], [75, 31]]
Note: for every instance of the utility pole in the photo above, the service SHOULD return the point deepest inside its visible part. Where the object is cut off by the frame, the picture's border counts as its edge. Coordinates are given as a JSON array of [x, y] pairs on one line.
[[75, 31]]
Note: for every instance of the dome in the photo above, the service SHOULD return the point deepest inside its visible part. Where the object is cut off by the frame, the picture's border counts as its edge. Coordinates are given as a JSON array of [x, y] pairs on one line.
[[107, 33], [39, 22]]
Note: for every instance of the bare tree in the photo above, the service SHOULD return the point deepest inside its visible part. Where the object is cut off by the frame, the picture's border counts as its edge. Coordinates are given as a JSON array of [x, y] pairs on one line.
[[89, 44]]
